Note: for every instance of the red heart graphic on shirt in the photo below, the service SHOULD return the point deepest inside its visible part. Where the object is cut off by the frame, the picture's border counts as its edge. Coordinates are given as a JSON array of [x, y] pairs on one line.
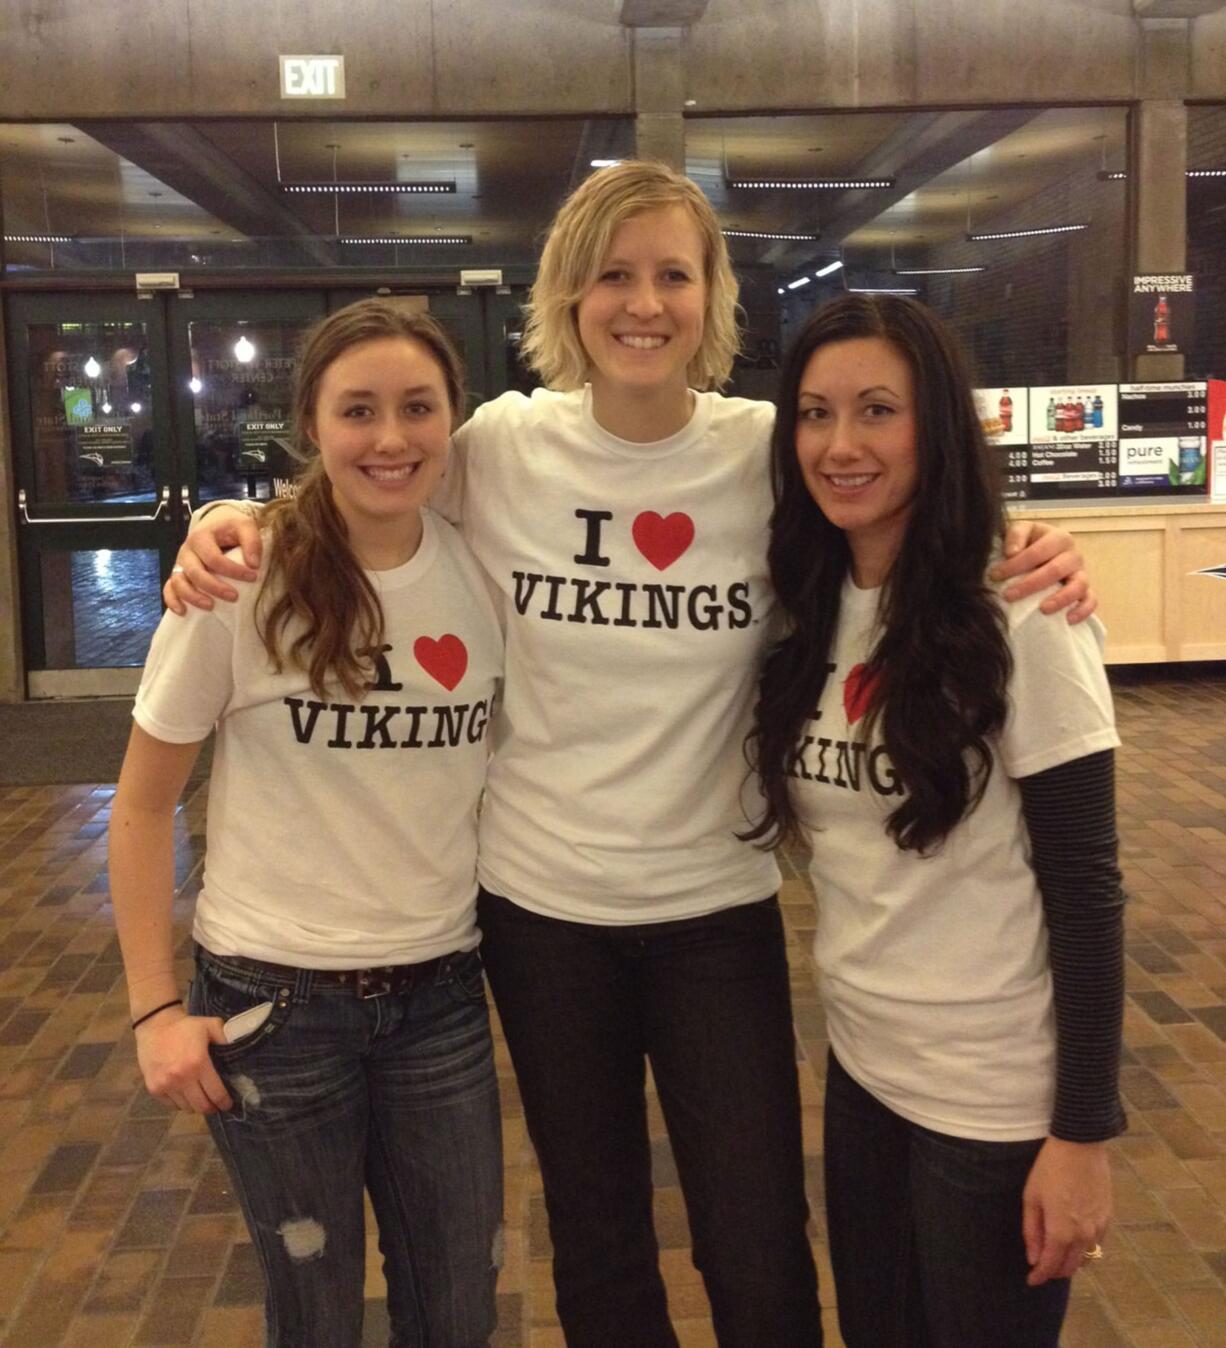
[[662, 540], [858, 689], [445, 660]]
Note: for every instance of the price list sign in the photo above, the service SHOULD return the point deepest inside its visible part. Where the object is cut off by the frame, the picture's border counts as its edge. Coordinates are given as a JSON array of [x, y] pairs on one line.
[[1163, 438], [1073, 441]]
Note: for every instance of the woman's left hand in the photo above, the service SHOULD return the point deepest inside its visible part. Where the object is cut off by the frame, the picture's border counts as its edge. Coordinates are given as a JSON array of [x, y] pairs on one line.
[[1039, 557], [1066, 1207]]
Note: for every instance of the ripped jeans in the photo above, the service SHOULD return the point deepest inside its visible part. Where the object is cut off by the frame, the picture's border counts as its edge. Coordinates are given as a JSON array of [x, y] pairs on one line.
[[334, 1095]]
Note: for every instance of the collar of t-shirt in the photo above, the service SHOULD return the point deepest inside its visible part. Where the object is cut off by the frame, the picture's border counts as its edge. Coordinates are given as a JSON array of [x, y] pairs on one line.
[[693, 430]]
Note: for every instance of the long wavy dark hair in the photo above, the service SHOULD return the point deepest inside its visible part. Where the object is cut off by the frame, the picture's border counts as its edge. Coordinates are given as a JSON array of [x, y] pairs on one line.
[[313, 575], [940, 666]]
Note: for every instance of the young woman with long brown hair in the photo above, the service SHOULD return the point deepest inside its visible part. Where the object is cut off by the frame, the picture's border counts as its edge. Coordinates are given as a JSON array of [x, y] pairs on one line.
[[336, 1033]]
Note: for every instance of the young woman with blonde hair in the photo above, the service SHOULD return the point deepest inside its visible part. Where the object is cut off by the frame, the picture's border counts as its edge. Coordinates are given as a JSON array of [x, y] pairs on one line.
[[623, 513], [336, 1033]]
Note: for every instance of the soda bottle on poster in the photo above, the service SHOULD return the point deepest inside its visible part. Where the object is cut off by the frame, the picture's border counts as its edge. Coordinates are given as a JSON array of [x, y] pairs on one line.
[[1051, 414], [1006, 410], [1162, 321], [1096, 413], [1079, 416]]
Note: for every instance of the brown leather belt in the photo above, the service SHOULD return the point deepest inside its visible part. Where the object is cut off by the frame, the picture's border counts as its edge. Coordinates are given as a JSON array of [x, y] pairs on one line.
[[383, 980]]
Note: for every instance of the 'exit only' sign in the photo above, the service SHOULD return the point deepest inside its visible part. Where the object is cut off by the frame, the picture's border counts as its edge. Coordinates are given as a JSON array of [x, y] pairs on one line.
[[312, 77]]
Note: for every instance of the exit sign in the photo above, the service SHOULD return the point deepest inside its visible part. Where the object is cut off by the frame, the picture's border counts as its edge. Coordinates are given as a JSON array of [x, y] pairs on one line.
[[312, 77]]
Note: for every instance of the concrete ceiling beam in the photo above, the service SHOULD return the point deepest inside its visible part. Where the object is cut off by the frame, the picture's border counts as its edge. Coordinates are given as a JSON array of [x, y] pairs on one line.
[[928, 145], [1176, 9], [191, 165], [660, 13]]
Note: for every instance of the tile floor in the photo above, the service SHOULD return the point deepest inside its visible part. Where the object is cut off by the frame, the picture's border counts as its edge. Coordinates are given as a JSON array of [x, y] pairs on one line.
[[116, 1226]]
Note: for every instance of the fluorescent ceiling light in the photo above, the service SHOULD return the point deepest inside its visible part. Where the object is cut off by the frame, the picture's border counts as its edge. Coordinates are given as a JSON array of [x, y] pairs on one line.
[[827, 269], [1026, 233], [1115, 175], [800, 281], [881, 290], [387, 188], [413, 239], [934, 271], [810, 184], [605, 163], [765, 234], [37, 238]]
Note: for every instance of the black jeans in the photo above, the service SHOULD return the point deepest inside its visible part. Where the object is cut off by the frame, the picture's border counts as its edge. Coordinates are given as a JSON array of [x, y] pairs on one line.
[[926, 1233], [706, 1001]]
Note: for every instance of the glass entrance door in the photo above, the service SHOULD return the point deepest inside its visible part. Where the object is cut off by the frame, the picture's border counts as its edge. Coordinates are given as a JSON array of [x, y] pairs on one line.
[[127, 414], [97, 504]]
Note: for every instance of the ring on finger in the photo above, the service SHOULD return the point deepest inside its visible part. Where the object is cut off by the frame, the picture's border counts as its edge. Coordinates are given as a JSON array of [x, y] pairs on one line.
[[176, 570], [1092, 1255]]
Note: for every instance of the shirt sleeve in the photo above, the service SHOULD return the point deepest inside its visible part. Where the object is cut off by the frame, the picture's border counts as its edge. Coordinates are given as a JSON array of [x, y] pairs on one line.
[[448, 497], [188, 678], [1070, 817], [1059, 699]]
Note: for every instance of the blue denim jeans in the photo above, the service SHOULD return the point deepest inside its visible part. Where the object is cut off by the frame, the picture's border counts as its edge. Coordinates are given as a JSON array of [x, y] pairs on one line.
[[926, 1233], [706, 1001], [334, 1095]]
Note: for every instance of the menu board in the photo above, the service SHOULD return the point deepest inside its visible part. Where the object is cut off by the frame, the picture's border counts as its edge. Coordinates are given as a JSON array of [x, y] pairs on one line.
[[1093, 440], [1162, 444]]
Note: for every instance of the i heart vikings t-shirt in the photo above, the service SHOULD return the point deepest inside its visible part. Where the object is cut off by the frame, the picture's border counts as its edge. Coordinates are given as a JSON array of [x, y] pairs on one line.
[[638, 608]]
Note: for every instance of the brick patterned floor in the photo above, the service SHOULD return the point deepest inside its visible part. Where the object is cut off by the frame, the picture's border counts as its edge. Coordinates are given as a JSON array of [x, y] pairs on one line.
[[117, 1227]]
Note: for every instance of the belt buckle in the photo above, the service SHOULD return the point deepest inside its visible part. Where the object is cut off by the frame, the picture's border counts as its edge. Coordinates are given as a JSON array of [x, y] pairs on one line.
[[372, 983]]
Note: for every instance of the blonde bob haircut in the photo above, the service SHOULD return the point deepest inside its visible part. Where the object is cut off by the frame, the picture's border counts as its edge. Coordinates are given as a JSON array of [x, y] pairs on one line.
[[576, 246]]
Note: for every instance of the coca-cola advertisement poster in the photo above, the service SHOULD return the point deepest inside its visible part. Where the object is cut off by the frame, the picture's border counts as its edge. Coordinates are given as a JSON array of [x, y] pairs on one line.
[[1160, 314]]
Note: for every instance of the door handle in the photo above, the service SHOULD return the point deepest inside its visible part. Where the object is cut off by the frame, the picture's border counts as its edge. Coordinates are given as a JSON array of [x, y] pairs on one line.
[[163, 504], [185, 504]]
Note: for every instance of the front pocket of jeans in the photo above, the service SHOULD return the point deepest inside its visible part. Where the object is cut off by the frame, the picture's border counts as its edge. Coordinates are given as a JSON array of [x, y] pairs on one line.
[[226, 1002], [468, 977]]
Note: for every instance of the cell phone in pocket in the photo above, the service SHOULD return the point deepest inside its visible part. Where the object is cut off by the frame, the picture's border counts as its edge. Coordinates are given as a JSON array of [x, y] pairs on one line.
[[246, 1022]]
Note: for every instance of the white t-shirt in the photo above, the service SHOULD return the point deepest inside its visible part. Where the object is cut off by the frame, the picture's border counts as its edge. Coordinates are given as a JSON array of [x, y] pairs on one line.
[[340, 835], [638, 607], [934, 970]]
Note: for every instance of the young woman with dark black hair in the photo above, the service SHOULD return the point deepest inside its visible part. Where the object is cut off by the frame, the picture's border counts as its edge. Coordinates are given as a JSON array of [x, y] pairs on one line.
[[948, 759]]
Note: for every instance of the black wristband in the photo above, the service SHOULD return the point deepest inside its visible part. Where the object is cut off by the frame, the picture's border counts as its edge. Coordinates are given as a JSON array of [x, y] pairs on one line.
[[149, 1015]]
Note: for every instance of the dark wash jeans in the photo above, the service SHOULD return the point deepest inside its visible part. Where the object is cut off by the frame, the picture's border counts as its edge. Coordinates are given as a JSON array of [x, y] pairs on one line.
[[926, 1233], [334, 1095], [706, 1000]]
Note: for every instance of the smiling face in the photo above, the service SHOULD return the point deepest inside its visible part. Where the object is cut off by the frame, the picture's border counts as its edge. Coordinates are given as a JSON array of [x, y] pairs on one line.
[[641, 320], [382, 423], [856, 433]]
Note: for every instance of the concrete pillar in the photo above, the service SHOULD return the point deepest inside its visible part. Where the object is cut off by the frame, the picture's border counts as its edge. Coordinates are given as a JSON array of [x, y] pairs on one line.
[[1157, 165], [659, 95], [12, 668]]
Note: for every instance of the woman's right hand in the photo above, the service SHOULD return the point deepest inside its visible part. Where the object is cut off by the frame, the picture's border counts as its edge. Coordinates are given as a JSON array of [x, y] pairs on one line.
[[173, 1053], [201, 562]]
